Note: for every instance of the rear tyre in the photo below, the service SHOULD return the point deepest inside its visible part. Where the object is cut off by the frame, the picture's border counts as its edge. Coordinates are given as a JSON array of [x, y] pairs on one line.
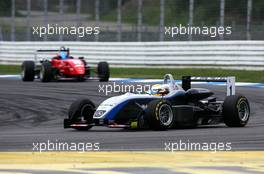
[[82, 110], [28, 71], [236, 111], [103, 71], [159, 115], [46, 72]]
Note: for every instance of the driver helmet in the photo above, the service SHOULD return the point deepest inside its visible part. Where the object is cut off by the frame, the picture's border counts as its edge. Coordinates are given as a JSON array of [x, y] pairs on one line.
[[63, 53], [159, 90]]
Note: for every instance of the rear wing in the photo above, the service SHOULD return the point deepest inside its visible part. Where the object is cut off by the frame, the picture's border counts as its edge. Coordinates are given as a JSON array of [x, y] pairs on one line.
[[57, 50], [230, 82], [49, 51]]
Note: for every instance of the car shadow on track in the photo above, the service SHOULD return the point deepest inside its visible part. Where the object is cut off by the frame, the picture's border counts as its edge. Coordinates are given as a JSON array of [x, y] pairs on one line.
[[146, 130]]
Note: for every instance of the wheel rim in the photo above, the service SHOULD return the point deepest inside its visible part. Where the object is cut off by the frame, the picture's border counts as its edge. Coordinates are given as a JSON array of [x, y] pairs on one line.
[[243, 111], [166, 115]]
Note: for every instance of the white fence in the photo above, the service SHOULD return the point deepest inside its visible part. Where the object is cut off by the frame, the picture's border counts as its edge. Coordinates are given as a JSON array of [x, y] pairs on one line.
[[202, 54]]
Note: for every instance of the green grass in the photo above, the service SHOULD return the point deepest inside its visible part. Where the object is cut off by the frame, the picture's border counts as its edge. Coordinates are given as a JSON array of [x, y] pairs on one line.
[[9, 69], [241, 75]]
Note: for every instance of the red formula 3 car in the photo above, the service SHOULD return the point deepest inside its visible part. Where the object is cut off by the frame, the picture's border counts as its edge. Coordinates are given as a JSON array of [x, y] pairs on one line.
[[62, 67]]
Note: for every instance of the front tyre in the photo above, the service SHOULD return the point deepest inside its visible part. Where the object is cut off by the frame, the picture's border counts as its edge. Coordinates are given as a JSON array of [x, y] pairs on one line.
[[28, 71], [236, 111], [103, 71], [82, 110], [160, 115]]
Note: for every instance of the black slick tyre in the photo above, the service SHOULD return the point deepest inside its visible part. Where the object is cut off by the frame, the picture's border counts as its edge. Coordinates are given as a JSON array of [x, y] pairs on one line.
[[28, 71], [159, 115], [236, 111], [82, 110], [103, 71], [46, 72]]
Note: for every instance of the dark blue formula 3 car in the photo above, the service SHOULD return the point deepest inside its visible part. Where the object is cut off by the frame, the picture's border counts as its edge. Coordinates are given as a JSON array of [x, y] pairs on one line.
[[164, 106]]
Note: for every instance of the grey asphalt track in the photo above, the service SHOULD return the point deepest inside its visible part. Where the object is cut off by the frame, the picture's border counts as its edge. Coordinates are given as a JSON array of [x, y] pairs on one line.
[[34, 112]]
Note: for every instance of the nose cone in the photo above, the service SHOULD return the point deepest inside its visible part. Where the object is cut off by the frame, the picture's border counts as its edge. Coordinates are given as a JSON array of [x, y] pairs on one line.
[[79, 70], [103, 110], [110, 108], [77, 66]]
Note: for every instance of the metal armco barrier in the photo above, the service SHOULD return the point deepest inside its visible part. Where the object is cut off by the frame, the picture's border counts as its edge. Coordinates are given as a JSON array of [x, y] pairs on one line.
[[195, 54]]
